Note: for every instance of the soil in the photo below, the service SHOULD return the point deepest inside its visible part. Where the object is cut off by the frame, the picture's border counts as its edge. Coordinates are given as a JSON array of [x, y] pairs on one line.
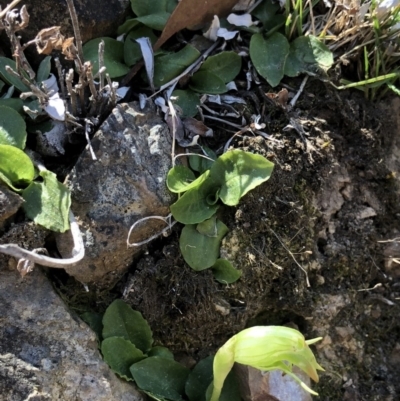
[[332, 198]]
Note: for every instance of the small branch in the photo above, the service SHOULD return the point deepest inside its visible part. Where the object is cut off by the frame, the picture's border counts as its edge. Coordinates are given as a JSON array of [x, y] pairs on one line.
[[78, 250], [60, 74], [77, 32], [9, 7]]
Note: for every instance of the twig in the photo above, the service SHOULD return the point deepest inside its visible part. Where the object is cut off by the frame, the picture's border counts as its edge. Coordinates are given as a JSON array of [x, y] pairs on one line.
[[60, 74], [88, 123], [78, 250], [101, 66], [77, 32], [166, 220], [299, 92], [291, 254], [9, 7]]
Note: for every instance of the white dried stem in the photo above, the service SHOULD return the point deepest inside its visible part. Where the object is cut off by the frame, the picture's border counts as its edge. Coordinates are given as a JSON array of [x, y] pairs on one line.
[[68, 80], [77, 32], [9, 7], [78, 250]]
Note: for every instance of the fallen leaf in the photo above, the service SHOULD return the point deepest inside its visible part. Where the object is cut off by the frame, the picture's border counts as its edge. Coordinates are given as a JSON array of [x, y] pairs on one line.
[[191, 13], [49, 39], [196, 127]]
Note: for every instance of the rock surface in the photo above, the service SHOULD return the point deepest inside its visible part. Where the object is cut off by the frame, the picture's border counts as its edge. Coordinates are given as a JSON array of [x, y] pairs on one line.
[[46, 354], [126, 183]]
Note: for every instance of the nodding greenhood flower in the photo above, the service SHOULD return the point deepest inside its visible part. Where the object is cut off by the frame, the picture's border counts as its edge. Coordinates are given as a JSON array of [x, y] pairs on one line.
[[266, 348]]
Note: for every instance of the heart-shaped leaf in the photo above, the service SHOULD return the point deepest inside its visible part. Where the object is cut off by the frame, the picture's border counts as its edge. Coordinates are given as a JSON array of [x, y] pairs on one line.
[[201, 251], [269, 56], [132, 52], [187, 101], [47, 203], [161, 377], [120, 355], [207, 82], [113, 56], [200, 164], [162, 352], [120, 320]]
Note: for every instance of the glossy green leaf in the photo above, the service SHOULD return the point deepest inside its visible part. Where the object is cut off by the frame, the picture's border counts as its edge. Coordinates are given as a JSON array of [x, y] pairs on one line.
[[155, 21], [201, 164], [95, 322], [269, 56], [13, 103], [201, 251], [187, 102], [120, 355], [169, 66], [225, 65], [47, 203], [237, 172], [9, 78], [162, 352], [16, 168], [44, 69], [224, 272], [132, 52], [162, 377], [120, 320], [181, 179], [197, 204], [12, 128], [308, 54], [113, 56], [207, 82], [266, 13], [148, 7]]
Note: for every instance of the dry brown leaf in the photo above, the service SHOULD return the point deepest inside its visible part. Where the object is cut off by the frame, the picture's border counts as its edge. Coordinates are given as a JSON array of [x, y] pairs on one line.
[[196, 127], [69, 50], [49, 39], [193, 13]]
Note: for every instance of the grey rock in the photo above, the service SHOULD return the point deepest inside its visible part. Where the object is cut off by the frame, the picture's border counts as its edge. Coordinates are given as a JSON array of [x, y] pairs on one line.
[[46, 354], [10, 202], [124, 184], [96, 18]]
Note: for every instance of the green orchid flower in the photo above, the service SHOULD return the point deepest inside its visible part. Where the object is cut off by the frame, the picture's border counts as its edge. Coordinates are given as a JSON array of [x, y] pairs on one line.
[[266, 348]]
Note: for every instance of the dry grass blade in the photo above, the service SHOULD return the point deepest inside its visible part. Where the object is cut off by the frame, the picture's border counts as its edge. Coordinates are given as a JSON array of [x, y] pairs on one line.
[[192, 13]]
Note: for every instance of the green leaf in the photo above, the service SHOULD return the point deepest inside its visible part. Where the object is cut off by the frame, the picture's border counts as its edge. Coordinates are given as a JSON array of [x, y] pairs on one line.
[[128, 25], [132, 52], [148, 7], [113, 56], [207, 82], [9, 78], [224, 272], [12, 128], [43, 70], [269, 56], [47, 203], [199, 379], [120, 355], [16, 167], [13, 103], [95, 322], [181, 179], [162, 377], [198, 203], [187, 101], [162, 352], [2, 84], [201, 164], [266, 13], [169, 66], [155, 21], [120, 320], [201, 251], [237, 172], [225, 65], [171, 5], [308, 54], [208, 227]]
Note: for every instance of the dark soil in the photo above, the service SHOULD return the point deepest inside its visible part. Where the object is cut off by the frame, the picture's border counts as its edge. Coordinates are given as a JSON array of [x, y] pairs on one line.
[[332, 197]]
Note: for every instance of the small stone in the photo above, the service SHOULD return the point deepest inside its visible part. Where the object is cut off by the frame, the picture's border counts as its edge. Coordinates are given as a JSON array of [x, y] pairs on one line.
[[366, 213], [10, 202]]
